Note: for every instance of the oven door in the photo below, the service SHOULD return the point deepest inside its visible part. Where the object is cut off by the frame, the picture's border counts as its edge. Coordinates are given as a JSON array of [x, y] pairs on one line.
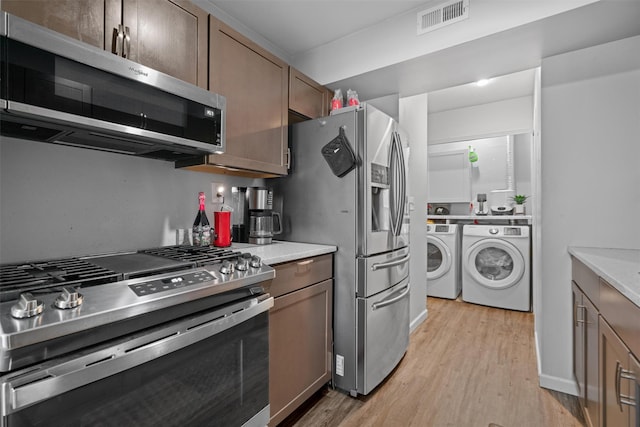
[[208, 369]]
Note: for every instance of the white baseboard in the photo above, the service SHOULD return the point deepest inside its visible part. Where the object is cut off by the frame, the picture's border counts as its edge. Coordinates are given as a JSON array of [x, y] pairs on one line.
[[562, 385], [418, 321]]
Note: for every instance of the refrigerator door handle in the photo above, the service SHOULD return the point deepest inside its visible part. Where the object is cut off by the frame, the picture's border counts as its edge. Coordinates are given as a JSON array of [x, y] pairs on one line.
[[403, 183], [393, 187], [397, 261], [393, 300]]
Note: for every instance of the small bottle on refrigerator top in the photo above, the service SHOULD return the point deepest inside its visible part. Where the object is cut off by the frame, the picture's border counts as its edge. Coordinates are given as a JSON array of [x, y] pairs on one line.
[[201, 227]]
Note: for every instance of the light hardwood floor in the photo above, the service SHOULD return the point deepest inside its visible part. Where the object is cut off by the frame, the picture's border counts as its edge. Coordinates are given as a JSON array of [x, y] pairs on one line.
[[467, 365]]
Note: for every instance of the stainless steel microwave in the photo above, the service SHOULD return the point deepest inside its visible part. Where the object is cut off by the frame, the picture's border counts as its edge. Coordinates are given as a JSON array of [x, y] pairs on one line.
[[57, 89]]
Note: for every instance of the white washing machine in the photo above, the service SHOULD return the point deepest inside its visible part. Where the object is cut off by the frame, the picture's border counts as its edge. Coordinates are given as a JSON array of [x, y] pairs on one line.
[[443, 261], [496, 265]]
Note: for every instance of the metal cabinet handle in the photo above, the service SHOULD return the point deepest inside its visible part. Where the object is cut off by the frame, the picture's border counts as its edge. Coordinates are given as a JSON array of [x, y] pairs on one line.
[[126, 52], [624, 399], [389, 264], [307, 262], [119, 40], [385, 303], [288, 163], [575, 314]]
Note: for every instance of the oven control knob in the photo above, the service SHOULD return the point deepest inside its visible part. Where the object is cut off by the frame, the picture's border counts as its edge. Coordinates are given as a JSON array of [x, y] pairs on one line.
[[27, 306], [69, 298], [255, 262], [227, 267], [242, 264]]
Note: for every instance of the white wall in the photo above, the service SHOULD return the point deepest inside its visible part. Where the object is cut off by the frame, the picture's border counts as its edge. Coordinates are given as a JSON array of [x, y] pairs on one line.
[[491, 170], [413, 111], [590, 179], [58, 201], [510, 116]]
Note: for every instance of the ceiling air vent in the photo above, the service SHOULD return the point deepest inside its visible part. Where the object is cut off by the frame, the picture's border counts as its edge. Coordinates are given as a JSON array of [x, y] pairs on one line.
[[442, 15]]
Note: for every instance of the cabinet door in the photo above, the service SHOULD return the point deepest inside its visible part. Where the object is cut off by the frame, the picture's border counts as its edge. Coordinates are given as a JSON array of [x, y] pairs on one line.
[[591, 362], [255, 84], [613, 358], [81, 19], [306, 97], [170, 36], [579, 342], [300, 351]]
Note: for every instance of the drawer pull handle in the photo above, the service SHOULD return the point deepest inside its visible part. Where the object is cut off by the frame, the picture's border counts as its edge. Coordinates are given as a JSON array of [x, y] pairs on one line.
[[307, 262]]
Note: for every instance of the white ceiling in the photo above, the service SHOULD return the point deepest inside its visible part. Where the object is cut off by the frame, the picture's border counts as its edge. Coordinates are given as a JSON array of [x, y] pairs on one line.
[[296, 26], [291, 28]]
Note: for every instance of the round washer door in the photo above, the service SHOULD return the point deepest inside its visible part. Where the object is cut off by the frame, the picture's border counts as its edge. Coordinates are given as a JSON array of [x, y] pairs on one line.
[[494, 263], [438, 258]]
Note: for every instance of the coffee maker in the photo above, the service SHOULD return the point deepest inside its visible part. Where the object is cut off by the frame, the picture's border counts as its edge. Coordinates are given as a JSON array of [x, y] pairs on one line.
[[261, 216], [240, 215]]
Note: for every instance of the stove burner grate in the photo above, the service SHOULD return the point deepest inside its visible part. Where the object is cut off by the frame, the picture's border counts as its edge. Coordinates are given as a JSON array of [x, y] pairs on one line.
[[201, 256], [35, 276]]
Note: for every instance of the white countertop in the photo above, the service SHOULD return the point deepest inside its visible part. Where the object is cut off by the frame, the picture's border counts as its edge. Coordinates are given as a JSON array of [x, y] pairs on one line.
[[487, 218], [619, 267], [280, 251]]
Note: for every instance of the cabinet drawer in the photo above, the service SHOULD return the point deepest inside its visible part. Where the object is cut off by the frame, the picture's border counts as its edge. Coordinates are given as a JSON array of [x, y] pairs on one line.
[[298, 274], [587, 280], [622, 315]]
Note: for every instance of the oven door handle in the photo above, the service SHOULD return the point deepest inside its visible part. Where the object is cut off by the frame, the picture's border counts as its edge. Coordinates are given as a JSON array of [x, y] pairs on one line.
[[50, 381]]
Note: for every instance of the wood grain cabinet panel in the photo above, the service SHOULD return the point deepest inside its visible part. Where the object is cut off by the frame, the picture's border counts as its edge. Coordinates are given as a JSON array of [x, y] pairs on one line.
[[255, 85], [170, 36], [614, 357], [307, 97], [81, 19], [300, 333]]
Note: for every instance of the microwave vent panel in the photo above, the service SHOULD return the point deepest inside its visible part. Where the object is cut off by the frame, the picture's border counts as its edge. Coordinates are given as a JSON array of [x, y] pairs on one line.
[[442, 15]]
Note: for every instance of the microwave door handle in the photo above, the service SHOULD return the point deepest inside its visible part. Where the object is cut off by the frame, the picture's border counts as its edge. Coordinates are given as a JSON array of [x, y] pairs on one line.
[[384, 303]]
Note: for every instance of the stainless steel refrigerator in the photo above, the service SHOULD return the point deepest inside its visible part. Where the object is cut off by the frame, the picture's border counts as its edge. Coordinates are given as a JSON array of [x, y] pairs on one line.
[[348, 187]]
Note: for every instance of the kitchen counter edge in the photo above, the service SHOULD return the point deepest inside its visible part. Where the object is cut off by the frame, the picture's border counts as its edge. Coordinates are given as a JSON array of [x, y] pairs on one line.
[[619, 267], [281, 251]]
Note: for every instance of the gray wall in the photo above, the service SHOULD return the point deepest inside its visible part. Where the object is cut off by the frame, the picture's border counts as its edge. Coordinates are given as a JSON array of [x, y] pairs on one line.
[[58, 201], [590, 179]]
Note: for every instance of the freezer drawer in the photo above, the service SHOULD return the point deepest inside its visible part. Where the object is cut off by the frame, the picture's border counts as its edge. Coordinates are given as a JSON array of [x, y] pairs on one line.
[[379, 272], [382, 334]]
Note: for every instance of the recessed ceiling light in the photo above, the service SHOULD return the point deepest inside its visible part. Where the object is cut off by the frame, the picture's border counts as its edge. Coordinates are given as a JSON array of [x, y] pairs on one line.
[[483, 82]]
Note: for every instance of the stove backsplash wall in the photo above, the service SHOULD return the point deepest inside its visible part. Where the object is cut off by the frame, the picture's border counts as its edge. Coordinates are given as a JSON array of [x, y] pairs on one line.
[[58, 201]]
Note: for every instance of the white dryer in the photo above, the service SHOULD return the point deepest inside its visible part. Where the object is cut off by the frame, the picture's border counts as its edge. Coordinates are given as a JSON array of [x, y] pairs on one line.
[[496, 262], [443, 261]]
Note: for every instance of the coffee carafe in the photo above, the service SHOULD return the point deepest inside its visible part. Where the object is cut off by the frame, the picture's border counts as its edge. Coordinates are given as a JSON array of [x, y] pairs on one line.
[[240, 215], [261, 216]]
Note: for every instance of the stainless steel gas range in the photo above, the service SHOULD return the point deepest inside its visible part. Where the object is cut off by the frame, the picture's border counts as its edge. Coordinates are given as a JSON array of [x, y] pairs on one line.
[[175, 335]]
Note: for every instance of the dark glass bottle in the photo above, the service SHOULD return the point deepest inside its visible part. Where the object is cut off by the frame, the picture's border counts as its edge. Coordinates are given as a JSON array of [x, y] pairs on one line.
[[201, 227]]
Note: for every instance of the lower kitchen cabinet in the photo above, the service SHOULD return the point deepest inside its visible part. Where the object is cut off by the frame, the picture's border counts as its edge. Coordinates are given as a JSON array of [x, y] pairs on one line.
[[300, 333], [606, 345], [585, 356], [616, 388]]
